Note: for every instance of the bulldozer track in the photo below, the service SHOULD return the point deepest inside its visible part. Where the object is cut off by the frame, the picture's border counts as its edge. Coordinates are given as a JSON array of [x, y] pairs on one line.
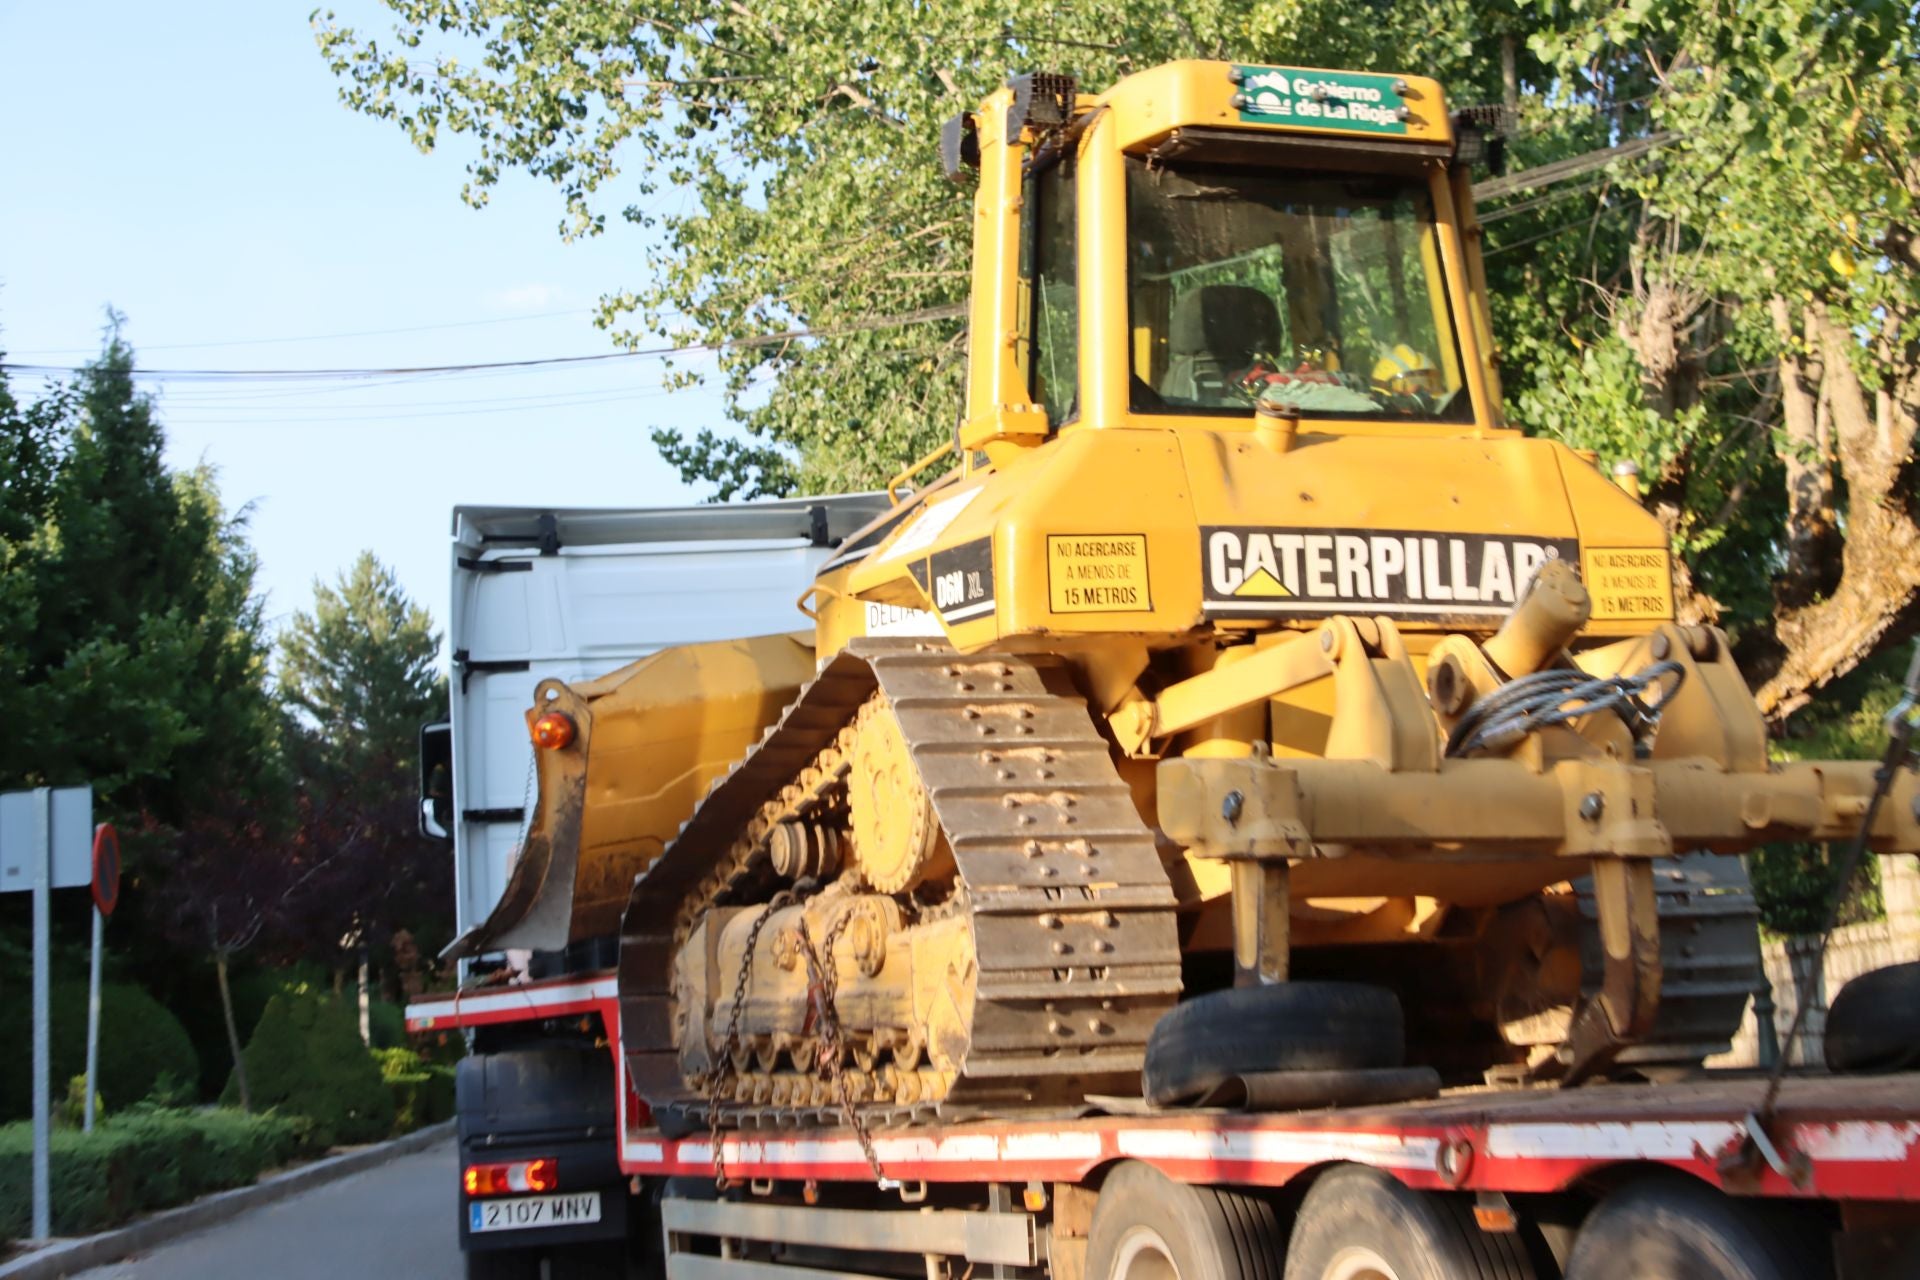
[[1072, 913]]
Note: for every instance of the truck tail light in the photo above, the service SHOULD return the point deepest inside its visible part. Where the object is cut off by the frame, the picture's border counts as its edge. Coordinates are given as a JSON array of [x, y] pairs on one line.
[[517, 1177], [553, 731]]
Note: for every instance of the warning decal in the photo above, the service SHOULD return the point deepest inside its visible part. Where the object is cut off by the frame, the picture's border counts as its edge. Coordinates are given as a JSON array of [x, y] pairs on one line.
[[959, 580], [1628, 583], [1260, 572], [1097, 573]]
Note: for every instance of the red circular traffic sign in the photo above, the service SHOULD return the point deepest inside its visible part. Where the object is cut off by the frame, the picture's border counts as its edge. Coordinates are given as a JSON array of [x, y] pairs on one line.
[[106, 868]]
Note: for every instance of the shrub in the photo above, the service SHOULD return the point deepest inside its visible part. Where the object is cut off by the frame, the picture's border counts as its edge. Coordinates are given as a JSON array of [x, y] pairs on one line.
[[139, 1040], [422, 1091], [386, 1024], [1794, 884], [306, 1058], [139, 1161], [170, 1091], [71, 1111]]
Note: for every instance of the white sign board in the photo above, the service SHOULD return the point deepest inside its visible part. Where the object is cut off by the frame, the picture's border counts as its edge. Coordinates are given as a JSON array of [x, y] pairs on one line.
[[72, 838]]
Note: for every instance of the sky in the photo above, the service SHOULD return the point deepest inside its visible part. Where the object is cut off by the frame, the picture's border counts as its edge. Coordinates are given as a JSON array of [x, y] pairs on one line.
[[192, 166]]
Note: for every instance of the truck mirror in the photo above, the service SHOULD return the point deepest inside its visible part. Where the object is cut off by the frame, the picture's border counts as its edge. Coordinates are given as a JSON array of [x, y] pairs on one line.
[[436, 780]]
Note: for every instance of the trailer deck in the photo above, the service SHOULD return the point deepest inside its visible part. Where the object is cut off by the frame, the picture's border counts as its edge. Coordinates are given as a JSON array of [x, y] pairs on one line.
[[1852, 1138]]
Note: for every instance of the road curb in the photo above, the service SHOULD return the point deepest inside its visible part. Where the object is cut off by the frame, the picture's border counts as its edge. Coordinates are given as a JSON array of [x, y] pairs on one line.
[[66, 1257]]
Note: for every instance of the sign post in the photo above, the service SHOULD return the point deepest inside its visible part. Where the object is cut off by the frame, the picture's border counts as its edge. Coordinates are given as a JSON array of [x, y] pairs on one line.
[[106, 896], [42, 925], [43, 847]]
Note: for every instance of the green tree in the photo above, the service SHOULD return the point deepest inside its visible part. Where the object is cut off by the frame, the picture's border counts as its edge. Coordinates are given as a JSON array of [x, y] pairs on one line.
[[132, 653], [1771, 305], [805, 134], [362, 667], [360, 670], [131, 631], [1730, 303]]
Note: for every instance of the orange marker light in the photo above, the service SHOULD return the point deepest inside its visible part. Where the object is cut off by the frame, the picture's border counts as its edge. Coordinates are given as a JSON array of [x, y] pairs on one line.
[[542, 1175], [553, 731]]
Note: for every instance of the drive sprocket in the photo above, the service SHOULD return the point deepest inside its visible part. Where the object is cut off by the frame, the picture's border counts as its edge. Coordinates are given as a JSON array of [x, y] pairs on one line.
[[896, 837]]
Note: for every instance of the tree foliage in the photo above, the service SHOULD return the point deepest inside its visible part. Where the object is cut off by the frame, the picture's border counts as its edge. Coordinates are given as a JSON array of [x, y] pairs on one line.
[[130, 634], [306, 1058], [805, 134], [133, 655], [140, 1041], [1731, 305], [1770, 299], [360, 669]]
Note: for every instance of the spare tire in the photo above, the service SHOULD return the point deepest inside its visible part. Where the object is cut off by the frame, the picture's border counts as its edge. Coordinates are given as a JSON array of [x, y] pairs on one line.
[[1874, 1023], [1288, 1026]]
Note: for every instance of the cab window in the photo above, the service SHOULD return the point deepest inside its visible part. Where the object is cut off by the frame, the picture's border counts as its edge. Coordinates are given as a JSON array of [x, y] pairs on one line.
[[1049, 275], [1323, 292]]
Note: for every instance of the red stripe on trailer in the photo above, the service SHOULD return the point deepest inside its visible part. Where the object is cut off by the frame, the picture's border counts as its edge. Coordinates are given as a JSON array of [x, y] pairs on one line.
[[1528, 1143], [517, 1002]]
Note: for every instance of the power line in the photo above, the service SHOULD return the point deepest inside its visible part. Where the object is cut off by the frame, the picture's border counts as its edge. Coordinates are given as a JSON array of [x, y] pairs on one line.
[[1545, 175], [1562, 228], [350, 414], [1545, 198], [240, 408], [315, 337], [925, 315], [1492, 189]]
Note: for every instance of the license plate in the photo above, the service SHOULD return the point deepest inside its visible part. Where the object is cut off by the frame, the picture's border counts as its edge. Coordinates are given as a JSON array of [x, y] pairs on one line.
[[522, 1212]]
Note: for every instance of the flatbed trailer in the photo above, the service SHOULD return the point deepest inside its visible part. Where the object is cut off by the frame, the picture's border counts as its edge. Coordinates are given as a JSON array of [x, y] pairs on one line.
[[1834, 1174]]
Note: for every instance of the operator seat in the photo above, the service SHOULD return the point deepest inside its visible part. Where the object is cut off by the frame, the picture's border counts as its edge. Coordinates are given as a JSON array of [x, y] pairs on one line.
[[1216, 332]]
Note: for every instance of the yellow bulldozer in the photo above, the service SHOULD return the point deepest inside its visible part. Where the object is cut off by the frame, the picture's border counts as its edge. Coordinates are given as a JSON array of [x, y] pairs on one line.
[[1246, 700]]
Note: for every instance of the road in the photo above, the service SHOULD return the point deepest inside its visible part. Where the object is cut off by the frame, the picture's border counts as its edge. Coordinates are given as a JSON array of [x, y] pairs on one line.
[[394, 1220]]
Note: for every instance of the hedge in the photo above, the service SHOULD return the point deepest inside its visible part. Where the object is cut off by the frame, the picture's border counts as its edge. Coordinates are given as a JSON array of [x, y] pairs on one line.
[[386, 1024], [140, 1161], [139, 1041], [306, 1058], [422, 1091]]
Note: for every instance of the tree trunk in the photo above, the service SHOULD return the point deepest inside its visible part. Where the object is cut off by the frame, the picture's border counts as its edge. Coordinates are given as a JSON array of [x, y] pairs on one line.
[[1509, 77], [1813, 541], [1876, 593], [1873, 604], [1659, 322], [233, 1030]]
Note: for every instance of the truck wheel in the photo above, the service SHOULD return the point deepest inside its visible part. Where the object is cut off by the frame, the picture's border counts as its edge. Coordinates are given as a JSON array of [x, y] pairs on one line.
[[1148, 1227], [1288, 1026], [1676, 1228], [1874, 1023], [503, 1264], [1357, 1223]]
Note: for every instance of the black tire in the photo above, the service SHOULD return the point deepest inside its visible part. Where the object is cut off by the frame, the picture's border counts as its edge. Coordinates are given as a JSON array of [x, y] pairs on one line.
[[1675, 1228], [503, 1264], [1357, 1221], [1148, 1227], [1288, 1026], [1874, 1023]]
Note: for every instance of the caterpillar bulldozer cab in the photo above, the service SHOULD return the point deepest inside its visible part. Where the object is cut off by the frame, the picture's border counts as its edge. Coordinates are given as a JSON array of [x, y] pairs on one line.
[[1243, 666]]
